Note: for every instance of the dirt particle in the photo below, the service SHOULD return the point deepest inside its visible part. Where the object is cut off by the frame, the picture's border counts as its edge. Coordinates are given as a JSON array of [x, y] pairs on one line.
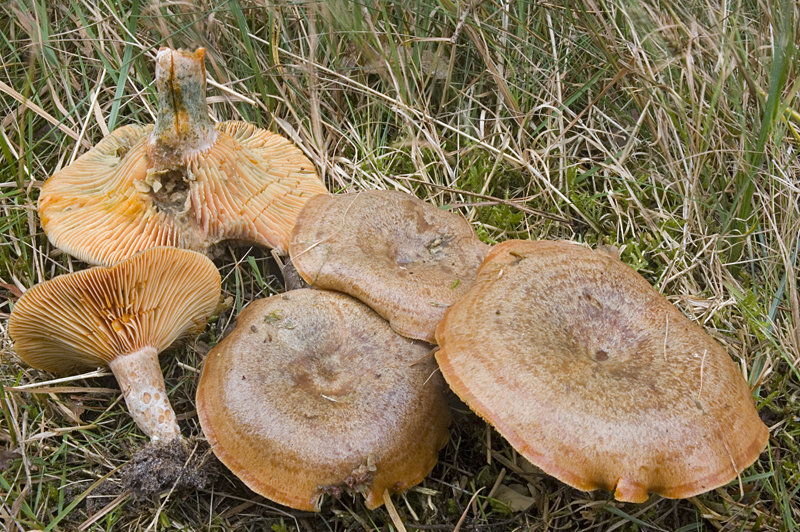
[[158, 467], [172, 194], [122, 150]]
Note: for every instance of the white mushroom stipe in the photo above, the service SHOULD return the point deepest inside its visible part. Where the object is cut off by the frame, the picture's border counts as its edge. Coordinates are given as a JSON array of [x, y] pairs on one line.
[[142, 384]]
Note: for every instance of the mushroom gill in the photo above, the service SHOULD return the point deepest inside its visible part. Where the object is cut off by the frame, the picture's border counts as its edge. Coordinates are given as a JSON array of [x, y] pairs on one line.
[[121, 317]]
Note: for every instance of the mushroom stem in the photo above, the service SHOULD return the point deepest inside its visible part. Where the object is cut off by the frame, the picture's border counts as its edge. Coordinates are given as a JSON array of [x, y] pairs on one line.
[[139, 376], [183, 127]]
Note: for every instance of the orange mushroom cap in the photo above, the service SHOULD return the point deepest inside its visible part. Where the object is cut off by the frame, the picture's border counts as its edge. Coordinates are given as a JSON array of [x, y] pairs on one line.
[[313, 393], [401, 256], [184, 182], [595, 377], [120, 317]]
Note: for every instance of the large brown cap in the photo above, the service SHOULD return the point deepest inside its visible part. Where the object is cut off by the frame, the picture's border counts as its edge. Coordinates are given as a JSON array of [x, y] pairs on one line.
[[185, 182], [313, 393], [405, 258], [595, 377], [87, 319]]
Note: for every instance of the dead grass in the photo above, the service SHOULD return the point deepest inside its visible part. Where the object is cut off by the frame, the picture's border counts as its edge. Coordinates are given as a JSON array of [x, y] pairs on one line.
[[671, 131]]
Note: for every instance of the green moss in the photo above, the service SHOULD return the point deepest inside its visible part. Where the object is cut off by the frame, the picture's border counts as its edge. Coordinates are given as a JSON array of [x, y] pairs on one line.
[[501, 216], [500, 508], [451, 507], [279, 527]]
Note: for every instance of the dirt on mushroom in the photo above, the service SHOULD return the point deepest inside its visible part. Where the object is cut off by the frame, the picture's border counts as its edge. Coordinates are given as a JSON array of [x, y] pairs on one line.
[[168, 466]]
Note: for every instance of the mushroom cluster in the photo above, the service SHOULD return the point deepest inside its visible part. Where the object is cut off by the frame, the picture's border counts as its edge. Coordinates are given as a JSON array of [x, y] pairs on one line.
[[340, 393], [571, 355]]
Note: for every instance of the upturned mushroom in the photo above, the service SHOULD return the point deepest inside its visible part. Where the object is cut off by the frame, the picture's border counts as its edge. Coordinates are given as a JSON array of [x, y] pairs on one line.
[[595, 377], [121, 317], [184, 182], [313, 394], [403, 257]]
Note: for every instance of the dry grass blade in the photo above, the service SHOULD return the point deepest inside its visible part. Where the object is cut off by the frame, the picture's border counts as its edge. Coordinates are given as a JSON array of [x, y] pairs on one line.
[[398, 523], [27, 104]]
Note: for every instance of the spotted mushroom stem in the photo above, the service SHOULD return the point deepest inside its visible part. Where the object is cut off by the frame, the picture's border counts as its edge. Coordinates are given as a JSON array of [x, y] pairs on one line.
[[183, 127], [139, 376]]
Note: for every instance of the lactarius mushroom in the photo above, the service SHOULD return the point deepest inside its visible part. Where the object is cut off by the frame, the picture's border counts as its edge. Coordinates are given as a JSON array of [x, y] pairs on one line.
[[184, 182], [595, 377], [403, 257], [313, 394], [122, 317]]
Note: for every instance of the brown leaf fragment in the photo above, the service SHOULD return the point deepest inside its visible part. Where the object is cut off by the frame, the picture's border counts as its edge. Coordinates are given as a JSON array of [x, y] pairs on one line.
[[512, 497], [16, 292], [6, 457]]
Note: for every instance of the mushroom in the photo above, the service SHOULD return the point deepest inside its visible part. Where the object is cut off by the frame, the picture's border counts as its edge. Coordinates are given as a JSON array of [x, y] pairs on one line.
[[313, 394], [183, 182], [122, 317], [595, 377], [403, 257]]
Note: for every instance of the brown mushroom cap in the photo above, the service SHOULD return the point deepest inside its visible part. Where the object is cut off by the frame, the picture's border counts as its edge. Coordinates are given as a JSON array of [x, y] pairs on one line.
[[120, 317], [185, 182], [403, 257], [313, 393], [595, 377]]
